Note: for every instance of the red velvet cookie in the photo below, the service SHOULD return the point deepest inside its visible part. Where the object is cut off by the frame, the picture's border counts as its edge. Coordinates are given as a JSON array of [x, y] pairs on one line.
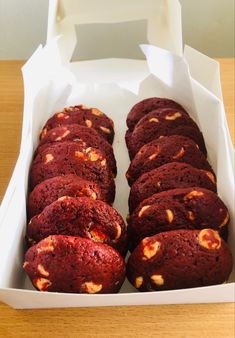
[[145, 106], [89, 117], [188, 208], [74, 264], [75, 132], [169, 176], [71, 157], [180, 259], [164, 150], [82, 217], [53, 188], [163, 122]]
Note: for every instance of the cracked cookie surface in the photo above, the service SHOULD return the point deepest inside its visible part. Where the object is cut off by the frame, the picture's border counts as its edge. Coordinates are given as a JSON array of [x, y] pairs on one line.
[[163, 122], [53, 188], [82, 217], [75, 132], [164, 150], [89, 117], [179, 259], [169, 176], [145, 106], [74, 264], [188, 208], [76, 158]]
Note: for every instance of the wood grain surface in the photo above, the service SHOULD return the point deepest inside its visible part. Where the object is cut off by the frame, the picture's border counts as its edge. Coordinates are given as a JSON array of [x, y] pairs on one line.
[[183, 321]]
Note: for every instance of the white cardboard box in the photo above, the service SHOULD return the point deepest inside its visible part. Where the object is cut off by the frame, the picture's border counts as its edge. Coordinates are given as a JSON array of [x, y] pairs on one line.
[[114, 85]]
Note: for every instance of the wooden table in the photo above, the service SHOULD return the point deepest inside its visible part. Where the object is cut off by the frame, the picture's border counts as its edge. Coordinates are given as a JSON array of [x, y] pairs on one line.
[[200, 320]]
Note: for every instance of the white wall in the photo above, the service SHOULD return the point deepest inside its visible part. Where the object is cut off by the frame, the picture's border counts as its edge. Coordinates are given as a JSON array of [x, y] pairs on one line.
[[208, 25], [23, 25]]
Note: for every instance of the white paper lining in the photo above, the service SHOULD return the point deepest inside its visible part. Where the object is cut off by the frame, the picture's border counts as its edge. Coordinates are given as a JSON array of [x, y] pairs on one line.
[[52, 83], [116, 102]]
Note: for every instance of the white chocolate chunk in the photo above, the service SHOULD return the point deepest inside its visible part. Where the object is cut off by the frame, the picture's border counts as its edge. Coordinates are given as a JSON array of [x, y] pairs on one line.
[[154, 119], [142, 210], [209, 239], [59, 138], [103, 163], [193, 194], [179, 154], [191, 216], [225, 221], [119, 231], [174, 116], [80, 154], [48, 158], [42, 270], [64, 198], [88, 123], [138, 282], [105, 130], [96, 112], [42, 284], [170, 215], [153, 156], [211, 176], [48, 245], [157, 279], [93, 195], [92, 287], [93, 156], [60, 115], [151, 249]]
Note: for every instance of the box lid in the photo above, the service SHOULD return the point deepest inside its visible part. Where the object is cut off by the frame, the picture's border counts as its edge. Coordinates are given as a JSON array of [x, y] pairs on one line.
[[163, 20]]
